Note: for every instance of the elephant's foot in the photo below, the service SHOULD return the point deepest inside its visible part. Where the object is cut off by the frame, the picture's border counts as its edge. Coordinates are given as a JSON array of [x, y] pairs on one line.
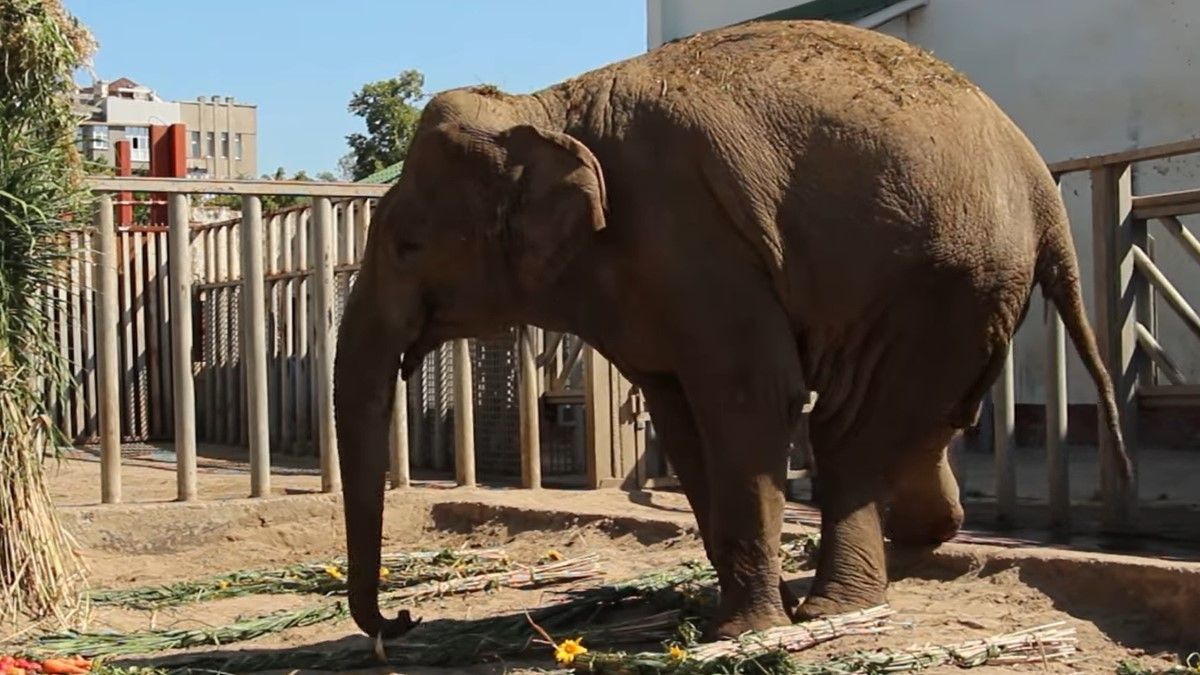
[[728, 625], [821, 606]]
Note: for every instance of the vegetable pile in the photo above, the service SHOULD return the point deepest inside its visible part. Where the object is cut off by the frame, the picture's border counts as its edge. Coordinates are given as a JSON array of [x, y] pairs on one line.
[[13, 665]]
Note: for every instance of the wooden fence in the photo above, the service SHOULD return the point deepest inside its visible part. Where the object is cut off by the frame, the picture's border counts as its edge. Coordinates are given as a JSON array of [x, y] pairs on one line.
[[239, 352], [1125, 282]]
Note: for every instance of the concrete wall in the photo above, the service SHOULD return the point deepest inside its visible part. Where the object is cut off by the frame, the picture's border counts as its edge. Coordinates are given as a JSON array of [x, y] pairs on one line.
[[1080, 77], [219, 116]]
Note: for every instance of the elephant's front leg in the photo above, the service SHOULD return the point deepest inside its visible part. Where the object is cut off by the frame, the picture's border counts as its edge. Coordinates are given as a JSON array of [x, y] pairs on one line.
[[679, 439], [745, 422]]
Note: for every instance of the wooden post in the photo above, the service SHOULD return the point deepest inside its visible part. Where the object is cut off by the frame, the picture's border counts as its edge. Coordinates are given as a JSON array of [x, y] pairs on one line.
[[527, 380], [108, 357], [1112, 241], [324, 252], [1004, 424], [399, 439], [1057, 456], [598, 418], [178, 219], [1144, 304], [464, 416], [254, 334]]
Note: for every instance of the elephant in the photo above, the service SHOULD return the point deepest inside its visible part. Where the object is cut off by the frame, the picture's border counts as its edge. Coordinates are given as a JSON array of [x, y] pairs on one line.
[[734, 219]]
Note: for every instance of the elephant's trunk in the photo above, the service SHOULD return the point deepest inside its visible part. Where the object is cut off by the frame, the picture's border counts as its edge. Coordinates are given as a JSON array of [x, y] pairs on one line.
[[368, 359]]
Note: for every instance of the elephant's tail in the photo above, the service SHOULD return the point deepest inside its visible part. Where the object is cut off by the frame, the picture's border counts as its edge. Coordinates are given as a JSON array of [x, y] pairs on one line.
[[1057, 272]]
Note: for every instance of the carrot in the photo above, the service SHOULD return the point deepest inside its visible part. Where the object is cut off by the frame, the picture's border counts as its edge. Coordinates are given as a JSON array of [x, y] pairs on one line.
[[61, 667]]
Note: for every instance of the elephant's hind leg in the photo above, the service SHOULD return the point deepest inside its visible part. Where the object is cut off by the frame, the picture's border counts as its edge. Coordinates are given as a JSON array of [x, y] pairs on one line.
[[851, 571]]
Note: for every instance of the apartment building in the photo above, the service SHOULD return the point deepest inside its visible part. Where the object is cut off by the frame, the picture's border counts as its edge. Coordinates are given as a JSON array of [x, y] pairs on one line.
[[222, 133]]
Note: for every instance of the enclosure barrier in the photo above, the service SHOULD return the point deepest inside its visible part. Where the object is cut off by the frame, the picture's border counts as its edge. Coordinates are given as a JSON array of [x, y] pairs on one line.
[[1126, 332], [289, 271]]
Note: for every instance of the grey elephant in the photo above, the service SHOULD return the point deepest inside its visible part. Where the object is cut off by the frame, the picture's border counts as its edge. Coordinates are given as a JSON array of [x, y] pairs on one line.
[[734, 220]]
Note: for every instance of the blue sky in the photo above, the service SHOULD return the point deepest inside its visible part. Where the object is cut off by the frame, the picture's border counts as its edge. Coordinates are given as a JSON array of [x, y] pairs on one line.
[[300, 60]]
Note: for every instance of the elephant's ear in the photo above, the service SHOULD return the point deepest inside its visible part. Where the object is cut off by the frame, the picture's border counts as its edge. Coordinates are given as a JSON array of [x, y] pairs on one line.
[[556, 200]]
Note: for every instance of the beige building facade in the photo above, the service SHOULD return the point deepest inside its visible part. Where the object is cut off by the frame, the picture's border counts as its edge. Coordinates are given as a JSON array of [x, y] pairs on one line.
[[222, 134], [222, 137]]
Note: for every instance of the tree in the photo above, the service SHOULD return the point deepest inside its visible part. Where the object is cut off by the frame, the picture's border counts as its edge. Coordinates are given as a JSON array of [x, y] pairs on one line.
[[389, 108], [41, 196]]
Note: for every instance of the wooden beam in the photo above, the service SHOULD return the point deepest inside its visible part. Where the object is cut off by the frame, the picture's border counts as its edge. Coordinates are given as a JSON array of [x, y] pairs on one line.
[[1005, 426], [302, 188], [1184, 147], [464, 415], [1180, 203], [1112, 241], [254, 333], [1156, 353], [598, 418], [531, 447], [323, 257], [178, 217], [108, 356], [1170, 396], [398, 445], [1186, 239], [1056, 420], [1171, 294]]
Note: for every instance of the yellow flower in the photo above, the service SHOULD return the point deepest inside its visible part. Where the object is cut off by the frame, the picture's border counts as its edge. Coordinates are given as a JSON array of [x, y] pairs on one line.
[[677, 653], [223, 584], [553, 554], [335, 573], [384, 572], [566, 651]]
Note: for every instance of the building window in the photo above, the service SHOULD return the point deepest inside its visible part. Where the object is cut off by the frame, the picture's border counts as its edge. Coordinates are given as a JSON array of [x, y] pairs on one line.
[[139, 143], [211, 144], [224, 143], [96, 137], [194, 149], [237, 146]]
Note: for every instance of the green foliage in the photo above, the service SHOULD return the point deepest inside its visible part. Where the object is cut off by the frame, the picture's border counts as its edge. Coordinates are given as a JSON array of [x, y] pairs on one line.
[[389, 108], [41, 196]]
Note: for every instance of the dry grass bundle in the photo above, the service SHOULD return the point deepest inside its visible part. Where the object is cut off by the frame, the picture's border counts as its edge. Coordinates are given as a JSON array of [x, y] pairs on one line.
[[148, 642], [772, 652], [40, 571], [398, 570]]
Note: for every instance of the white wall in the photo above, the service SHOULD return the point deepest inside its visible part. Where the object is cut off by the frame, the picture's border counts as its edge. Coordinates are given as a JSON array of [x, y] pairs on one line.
[[1080, 77], [669, 19], [134, 112]]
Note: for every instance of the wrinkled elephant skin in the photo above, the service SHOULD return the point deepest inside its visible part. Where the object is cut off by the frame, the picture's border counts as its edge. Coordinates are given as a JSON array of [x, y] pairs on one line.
[[734, 220]]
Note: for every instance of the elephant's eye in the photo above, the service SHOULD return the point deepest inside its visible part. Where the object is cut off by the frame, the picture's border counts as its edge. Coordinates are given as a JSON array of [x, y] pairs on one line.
[[405, 248]]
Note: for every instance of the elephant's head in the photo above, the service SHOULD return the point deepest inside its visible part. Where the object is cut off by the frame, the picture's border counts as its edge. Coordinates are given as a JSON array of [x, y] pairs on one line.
[[492, 204]]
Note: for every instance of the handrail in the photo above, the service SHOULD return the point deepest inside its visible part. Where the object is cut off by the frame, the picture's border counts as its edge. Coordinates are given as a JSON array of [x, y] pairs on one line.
[[301, 188], [1185, 147]]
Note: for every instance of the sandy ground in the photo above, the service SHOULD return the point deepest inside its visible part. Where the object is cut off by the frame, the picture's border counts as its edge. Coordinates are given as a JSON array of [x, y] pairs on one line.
[[633, 534]]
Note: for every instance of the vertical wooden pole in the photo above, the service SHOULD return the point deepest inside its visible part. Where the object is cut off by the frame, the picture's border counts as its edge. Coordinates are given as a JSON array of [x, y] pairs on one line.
[[527, 381], [464, 415], [1056, 420], [181, 345], [324, 252], [108, 356], [399, 439], [1004, 424], [254, 334], [1112, 239], [597, 418]]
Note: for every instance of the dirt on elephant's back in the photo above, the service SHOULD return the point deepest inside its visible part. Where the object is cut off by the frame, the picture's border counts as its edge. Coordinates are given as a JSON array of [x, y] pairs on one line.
[[798, 55]]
